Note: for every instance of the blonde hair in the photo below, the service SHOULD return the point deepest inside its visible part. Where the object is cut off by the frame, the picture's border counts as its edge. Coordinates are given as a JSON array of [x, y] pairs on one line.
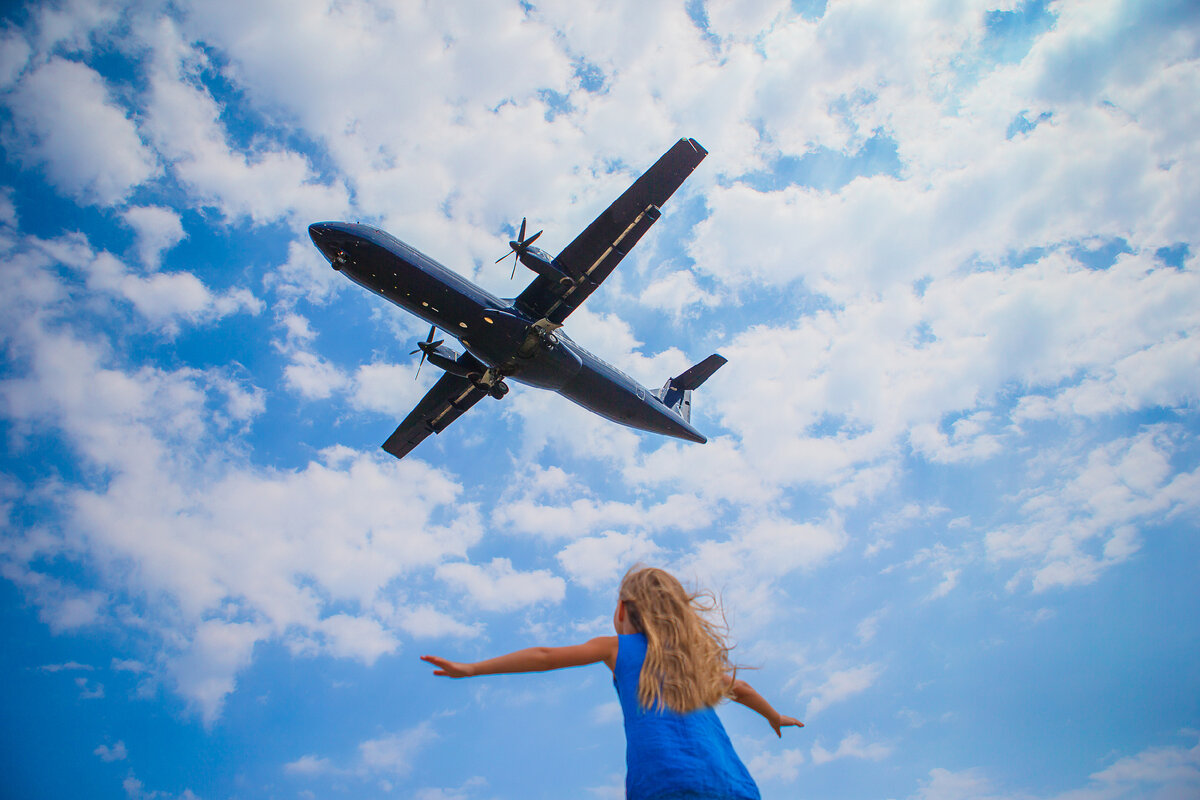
[[687, 657]]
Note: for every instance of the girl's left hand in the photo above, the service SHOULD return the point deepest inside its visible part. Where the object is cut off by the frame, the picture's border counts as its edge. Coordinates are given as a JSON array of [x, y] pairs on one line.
[[451, 669], [782, 721]]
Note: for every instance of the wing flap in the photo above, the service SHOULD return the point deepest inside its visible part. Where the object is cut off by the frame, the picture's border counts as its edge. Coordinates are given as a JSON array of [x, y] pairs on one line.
[[449, 399]]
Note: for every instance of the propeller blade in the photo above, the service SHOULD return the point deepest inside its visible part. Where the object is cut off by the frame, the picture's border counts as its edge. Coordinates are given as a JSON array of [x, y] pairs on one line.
[[424, 347], [518, 246]]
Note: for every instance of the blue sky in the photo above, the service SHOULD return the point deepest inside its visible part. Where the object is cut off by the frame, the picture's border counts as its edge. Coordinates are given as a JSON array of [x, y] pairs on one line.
[[950, 493]]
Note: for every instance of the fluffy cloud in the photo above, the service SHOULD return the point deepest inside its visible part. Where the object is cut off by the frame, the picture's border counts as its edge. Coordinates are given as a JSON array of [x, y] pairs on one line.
[[65, 119], [164, 300], [387, 756], [852, 746], [499, 587], [115, 753], [158, 229], [182, 119], [217, 553], [596, 561], [1087, 517], [841, 685], [1167, 772]]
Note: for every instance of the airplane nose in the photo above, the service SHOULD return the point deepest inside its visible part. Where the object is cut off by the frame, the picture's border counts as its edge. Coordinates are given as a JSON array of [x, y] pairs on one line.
[[333, 241]]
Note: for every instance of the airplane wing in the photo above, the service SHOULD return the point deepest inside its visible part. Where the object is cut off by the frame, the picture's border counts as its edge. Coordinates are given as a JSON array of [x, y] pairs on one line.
[[449, 398], [597, 251]]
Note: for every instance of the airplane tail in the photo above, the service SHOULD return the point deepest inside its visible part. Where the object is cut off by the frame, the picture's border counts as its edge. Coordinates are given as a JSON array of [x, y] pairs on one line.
[[676, 393]]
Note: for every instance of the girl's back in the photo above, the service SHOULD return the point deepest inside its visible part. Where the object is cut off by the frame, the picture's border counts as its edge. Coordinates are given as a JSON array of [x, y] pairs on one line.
[[673, 755]]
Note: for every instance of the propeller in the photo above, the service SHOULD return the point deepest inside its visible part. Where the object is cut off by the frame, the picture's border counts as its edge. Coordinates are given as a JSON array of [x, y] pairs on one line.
[[425, 348], [519, 246]]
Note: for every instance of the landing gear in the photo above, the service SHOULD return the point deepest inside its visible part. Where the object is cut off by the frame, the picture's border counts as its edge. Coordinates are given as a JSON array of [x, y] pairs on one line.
[[535, 337], [490, 381]]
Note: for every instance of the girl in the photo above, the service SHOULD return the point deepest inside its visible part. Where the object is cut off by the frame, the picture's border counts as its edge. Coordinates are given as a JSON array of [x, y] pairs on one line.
[[670, 666]]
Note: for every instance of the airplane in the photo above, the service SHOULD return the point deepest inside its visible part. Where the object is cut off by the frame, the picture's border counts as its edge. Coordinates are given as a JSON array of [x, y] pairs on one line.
[[521, 337]]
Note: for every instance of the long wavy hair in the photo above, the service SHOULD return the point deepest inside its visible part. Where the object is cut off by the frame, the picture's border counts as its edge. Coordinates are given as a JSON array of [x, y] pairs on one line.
[[687, 656]]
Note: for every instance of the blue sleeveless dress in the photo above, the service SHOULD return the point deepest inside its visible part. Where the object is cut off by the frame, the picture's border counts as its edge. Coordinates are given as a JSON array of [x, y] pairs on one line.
[[671, 756]]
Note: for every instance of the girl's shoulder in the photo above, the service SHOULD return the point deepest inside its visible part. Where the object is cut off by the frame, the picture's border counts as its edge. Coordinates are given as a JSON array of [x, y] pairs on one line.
[[606, 647]]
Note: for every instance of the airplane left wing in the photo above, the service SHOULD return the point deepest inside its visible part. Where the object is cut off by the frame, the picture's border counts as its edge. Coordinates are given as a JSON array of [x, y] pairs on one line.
[[448, 400], [596, 252]]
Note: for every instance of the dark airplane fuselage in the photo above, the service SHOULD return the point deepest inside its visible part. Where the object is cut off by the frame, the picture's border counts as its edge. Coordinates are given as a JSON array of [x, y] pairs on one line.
[[492, 329]]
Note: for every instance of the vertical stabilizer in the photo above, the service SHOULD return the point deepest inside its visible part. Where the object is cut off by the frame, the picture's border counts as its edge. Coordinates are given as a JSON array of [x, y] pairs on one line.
[[676, 393]]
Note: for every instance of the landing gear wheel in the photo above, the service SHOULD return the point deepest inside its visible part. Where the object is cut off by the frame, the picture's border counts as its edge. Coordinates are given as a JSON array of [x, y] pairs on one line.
[[498, 389]]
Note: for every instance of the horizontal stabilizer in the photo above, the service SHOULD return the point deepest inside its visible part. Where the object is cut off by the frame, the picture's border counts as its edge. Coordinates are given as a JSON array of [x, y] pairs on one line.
[[693, 377], [676, 394]]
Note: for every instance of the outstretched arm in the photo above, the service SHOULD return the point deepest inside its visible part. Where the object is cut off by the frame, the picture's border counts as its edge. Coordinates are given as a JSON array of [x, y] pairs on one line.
[[532, 659], [745, 694]]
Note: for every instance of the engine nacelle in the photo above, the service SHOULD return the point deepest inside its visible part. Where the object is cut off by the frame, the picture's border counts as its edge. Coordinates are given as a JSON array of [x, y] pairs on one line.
[[540, 262], [446, 359]]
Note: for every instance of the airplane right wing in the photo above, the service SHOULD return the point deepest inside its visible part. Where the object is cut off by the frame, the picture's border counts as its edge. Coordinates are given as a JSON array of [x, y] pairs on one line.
[[448, 400], [596, 252]]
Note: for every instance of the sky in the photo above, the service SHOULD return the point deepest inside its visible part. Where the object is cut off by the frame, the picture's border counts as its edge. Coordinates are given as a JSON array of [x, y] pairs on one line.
[[950, 494]]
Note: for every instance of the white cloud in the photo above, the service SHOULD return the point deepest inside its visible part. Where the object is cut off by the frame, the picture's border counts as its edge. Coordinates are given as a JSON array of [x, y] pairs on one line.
[[851, 746], [158, 229], [584, 515], [1173, 767], [183, 120], [425, 622], [393, 754], [313, 377], [164, 299], [89, 690], [115, 753], [966, 785], [205, 672], [213, 553], [597, 561], [841, 685], [14, 56], [66, 120], [607, 713], [499, 587], [389, 388], [357, 637], [1160, 772], [766, 549], [70, 665], [305, 274], [309, 765], [677, 293], [1085, 519], [783, 766]]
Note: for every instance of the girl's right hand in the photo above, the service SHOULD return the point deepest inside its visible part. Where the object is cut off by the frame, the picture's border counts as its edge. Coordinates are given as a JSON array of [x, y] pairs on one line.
[[781, 721], [451, 669]]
